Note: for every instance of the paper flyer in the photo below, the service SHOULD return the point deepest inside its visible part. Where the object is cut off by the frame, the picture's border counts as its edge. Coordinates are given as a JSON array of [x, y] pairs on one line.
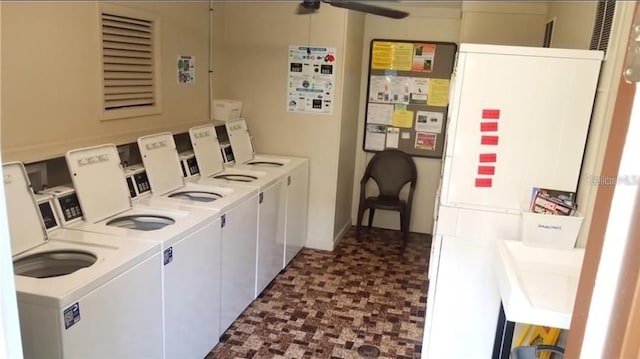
[[380, 113], [393, 135], [438, 93], [427, 121], [375, 137], [402, 56], [418, 89], [423, 56], [311, 78], [382, 55], [402, 117], [426, 141]]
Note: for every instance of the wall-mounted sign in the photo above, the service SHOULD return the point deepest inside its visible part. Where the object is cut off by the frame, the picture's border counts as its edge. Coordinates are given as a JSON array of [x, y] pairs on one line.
[[311, 79], [186, 67]]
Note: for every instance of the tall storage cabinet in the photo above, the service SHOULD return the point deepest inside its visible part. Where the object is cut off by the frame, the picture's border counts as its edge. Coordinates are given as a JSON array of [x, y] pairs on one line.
[[519, 118]]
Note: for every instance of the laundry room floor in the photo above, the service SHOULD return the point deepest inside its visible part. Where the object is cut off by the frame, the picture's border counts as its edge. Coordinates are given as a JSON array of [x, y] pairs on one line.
[[329, 304]]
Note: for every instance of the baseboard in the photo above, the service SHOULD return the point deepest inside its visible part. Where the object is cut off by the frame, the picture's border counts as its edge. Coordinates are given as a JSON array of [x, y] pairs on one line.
[[341, 234]]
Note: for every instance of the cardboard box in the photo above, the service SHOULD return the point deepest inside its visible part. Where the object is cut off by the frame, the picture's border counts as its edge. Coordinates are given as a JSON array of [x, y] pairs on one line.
[[550, 231], [225, 110]]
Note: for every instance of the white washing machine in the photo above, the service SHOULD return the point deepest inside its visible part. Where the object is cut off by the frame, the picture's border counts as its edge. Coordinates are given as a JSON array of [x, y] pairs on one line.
[[189, 239], [296, 170], [80, 295], [271, 213], [239, 208]]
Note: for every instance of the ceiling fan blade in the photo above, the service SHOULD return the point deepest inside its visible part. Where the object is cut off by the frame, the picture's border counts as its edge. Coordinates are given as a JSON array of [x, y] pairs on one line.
[[370, 9]]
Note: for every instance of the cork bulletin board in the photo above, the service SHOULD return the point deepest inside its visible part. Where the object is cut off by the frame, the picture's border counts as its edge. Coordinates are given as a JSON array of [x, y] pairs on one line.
[[408, 96]]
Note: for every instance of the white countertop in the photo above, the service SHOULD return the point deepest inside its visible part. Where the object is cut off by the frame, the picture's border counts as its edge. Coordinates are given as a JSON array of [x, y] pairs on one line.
[[538, 285]]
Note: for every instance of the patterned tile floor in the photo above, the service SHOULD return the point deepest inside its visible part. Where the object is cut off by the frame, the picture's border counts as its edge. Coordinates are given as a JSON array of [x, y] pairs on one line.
[[328, 304]]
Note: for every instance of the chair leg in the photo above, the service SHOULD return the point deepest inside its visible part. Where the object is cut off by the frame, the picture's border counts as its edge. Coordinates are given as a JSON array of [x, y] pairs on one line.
[[361, 209], [372, 212], [404, 227]]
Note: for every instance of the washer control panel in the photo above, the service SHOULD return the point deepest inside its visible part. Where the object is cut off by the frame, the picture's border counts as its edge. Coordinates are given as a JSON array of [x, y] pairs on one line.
[[47, 212], [66, 202], [137, 181]]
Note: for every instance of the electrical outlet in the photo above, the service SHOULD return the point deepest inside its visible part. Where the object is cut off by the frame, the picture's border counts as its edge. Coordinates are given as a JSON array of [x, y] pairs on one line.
[[37, 173]]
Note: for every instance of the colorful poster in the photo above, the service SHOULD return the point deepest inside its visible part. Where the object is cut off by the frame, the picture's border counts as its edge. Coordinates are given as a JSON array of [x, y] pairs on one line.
[[186, 67], [311, 77], [426, 141], [438, 93], [423, 56]]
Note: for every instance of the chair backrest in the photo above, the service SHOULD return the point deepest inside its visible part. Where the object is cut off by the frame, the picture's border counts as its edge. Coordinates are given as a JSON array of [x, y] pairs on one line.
[[391, 169]]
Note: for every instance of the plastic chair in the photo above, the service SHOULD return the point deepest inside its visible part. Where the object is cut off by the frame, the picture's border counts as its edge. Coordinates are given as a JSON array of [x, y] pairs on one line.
[[531, 352], [391, 170]]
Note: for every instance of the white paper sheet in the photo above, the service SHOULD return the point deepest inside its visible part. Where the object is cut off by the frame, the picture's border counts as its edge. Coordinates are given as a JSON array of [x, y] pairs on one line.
[[379, 113], [375, 137], [393, 134], [427, 121]]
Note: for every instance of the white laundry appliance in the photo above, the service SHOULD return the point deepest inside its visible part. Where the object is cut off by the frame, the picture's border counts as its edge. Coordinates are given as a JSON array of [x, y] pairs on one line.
[[189, 241], [518, 119], [80, 294], [271, 212], [296, 170], [238, 206]]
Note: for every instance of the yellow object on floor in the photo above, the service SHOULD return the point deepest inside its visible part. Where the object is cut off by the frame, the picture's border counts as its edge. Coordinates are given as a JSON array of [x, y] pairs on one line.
[[536, 335]]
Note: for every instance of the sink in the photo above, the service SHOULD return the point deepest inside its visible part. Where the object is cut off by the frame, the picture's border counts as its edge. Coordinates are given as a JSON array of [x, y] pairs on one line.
[[538, 285]]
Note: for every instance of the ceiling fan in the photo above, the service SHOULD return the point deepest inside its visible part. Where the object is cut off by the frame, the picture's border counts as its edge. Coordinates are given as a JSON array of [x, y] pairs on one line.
[[311, 6]]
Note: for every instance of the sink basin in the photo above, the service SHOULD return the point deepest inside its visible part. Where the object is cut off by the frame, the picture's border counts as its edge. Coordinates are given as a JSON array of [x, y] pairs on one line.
[[538, 285]]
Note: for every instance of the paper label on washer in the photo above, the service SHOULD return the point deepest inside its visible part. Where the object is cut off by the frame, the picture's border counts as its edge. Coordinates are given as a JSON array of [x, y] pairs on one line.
[[71, 315], [168, 255]]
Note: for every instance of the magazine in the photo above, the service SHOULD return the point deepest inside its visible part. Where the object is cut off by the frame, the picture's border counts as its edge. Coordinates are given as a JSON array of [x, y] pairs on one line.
[[550, 201]]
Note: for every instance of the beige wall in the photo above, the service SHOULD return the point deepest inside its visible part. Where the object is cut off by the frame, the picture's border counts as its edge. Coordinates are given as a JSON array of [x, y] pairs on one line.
[[349, 127], [51, 89], [251, 65], [503, 23], [573, 23], [429, 23]]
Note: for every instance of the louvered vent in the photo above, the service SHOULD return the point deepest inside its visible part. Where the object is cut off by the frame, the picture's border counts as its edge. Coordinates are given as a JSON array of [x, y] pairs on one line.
[[602, 25], [128, 63]]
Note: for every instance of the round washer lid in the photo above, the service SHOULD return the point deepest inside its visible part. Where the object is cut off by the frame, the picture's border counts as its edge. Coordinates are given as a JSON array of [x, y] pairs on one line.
[[207, 150], [99, 181], [25, 223], [240, 140], [161, 161]]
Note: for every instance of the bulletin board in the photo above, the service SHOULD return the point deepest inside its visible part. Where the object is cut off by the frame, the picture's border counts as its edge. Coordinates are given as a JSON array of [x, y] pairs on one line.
[[408, 96]]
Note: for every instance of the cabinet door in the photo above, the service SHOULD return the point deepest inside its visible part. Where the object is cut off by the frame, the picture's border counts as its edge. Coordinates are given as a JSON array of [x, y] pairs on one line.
[[297, 202], [540, 131], [239, 249], [270, 234]]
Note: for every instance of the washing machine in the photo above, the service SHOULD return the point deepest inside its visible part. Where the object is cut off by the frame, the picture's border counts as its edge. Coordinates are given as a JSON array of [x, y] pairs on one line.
[[271, 212], [239, 206], [189, 241], [296, 170], [80, 294]]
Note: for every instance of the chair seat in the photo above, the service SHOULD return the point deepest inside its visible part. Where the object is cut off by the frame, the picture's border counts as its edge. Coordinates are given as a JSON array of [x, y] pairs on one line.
[[386, 203]]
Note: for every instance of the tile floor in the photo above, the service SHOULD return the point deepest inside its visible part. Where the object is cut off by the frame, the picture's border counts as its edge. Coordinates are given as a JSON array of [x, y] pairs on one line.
[[328, 304]]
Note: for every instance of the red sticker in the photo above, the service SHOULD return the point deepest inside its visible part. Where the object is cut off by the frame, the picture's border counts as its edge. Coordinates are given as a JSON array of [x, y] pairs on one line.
[[488, 126], [486, 170], [487, 157], [484, 182], [489, 140], [491, 114]]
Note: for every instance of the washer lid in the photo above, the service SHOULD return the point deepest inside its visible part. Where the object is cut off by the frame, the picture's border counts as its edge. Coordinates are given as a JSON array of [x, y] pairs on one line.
[[161, 161], [99, 181], [207, 150], [240, 140], [25, 223]]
